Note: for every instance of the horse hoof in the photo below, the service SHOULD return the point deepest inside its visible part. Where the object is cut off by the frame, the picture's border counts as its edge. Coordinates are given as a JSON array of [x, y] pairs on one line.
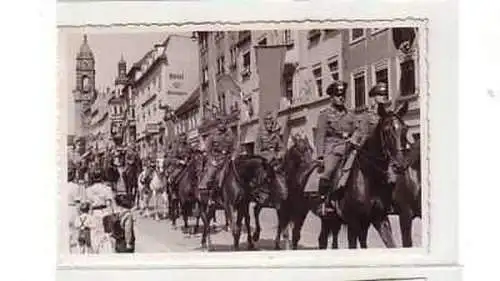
[[251, 247], [277, 247], [256, 236]]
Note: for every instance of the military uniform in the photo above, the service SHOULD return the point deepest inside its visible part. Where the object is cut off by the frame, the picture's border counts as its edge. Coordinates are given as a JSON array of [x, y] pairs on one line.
[[220, 147], [335, 126], [270, 143], [180, 155]]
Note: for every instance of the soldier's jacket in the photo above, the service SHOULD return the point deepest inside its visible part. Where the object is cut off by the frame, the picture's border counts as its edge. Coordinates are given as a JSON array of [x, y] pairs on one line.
[[270, 142], [220, 142], [334, 127]]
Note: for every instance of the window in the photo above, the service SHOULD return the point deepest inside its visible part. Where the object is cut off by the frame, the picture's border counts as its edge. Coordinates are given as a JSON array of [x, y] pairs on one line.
[[314, 36], [203, 41], [222, 102], [407, 80], [333, 65], [287, 37], [263, 42], [359, 89], [381, 75], [233, 57], [246, 66], [318, 77], [357, 34], [205, 77], [220, 65], [288, 79]]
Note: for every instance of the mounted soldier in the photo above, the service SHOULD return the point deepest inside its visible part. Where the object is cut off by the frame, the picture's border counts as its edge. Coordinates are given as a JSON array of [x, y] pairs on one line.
[[220, 147], [180, 155], [270, 143], [335, 127]]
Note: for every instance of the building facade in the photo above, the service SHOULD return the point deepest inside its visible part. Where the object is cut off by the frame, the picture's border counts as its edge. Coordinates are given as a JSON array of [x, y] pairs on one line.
[[314, 59], [165, 76]]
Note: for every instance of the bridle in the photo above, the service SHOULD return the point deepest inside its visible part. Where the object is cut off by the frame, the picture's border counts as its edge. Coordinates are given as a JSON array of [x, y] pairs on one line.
[[392, 147]]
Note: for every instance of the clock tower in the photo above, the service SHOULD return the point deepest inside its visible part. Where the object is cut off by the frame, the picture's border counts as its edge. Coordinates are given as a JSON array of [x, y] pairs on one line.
[[84, 92]]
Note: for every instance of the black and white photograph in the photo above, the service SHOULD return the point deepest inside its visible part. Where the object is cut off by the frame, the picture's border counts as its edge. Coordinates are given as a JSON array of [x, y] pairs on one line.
[[243, 139]]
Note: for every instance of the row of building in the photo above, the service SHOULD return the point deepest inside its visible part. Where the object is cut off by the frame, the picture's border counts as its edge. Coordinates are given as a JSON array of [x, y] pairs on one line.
[[180, 76]]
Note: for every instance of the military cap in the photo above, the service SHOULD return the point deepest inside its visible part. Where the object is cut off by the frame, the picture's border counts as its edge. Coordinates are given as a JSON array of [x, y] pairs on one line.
[[380, 89], [338, 88], [269, 116]]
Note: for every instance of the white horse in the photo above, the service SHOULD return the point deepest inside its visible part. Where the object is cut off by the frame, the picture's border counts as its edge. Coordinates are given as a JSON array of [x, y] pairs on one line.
[[157, 190]]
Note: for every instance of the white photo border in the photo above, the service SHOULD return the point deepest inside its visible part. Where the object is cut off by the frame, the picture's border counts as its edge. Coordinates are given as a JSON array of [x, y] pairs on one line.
[[438, 73]]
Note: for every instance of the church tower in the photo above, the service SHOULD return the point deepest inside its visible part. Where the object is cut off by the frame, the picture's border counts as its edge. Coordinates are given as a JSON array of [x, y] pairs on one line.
[[84, 92]]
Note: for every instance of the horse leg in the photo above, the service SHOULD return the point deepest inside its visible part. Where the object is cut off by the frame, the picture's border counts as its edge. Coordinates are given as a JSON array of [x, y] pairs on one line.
[[405, 224], [383, 227], [165, 201], [197, 226], [297, 227], [184, 210], [206, 227], [256, 212], [352, 235], [323, 234], [156, 205], [235, 220], [363, 234], [335, 226], [283, 222], [246, 214]]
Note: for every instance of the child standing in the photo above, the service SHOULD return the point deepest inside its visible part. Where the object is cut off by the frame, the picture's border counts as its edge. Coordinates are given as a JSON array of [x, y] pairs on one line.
[[84, 225]]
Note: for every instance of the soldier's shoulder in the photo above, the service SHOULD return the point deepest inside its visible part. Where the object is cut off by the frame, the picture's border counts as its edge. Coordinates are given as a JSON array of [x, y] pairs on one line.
[[327, 109]]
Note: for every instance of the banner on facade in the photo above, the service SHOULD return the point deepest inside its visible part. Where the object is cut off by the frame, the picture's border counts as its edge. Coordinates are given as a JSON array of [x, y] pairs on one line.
[[270, 66]]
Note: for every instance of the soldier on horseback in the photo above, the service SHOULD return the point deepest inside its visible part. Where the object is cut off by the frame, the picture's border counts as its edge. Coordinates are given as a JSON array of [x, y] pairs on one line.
[[270, 143], [335, 127], [179, 156], [219, 147]]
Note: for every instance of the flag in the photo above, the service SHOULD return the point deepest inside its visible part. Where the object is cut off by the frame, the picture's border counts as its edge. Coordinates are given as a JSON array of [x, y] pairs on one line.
[[270, 66], [226, 83]]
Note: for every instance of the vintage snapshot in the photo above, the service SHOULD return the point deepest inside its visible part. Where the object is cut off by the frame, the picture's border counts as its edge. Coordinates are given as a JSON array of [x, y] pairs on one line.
[[223, 140]]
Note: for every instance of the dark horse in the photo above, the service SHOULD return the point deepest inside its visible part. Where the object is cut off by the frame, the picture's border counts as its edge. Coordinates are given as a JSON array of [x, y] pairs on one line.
[[239, 178], [183, 191], [367, 194], [407, 193], [298, 165]]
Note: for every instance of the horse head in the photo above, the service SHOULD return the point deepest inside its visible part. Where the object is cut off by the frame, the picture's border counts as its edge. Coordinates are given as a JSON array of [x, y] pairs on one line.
[[393, 134]]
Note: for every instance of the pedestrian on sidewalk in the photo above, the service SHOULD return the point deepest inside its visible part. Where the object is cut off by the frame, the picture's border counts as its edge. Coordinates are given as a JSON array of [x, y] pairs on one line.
[[84, 223]]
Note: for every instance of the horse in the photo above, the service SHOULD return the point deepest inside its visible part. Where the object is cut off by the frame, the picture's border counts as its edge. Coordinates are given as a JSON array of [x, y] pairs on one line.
[[407, 192], [298, 165], [158, 188], [238, 178], [367, 194], [184, 191]]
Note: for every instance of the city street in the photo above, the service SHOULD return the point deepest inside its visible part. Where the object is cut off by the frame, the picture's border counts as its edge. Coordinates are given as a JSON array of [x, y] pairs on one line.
[[160, 236]]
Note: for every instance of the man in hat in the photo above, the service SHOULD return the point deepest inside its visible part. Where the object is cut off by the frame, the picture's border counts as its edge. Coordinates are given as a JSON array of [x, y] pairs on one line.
[[180, 155], [367, 121], [219, 147], [270, 143], [335, 126], [270, 146]]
